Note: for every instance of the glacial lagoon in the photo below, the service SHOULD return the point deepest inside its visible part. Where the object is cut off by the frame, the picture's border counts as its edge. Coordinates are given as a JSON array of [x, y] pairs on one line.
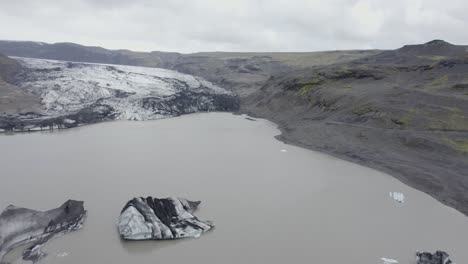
[[271, 202]]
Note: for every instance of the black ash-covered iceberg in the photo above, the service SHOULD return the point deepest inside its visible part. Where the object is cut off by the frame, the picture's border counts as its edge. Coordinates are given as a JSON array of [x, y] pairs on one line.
[[22, 226], [159, 219], [439, 257]]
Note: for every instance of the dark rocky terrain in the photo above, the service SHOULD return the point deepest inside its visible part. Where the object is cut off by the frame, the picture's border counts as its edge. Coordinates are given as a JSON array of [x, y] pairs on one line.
[[8, 68], [400, 111], [403, 112], [12, 99]]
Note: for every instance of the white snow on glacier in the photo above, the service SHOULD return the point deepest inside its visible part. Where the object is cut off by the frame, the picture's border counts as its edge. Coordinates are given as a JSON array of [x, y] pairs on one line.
[[66, 87]]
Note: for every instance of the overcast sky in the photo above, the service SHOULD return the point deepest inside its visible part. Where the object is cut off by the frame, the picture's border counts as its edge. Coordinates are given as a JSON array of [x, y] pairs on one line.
[[235, 25]]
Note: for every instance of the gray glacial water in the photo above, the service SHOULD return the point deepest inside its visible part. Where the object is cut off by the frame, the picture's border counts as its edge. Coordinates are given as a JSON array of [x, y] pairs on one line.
[[269, 205]]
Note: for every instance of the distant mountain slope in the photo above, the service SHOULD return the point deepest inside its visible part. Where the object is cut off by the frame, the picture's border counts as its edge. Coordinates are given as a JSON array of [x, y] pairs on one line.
[[75, 52], [404, 112], [241, 72], [436, 50]]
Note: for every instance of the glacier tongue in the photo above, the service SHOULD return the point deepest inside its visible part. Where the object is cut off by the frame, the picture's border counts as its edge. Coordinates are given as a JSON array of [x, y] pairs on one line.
[[89, 93]]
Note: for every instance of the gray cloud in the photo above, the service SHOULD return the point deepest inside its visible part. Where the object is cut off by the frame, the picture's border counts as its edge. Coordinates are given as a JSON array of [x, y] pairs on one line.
[[235, 25]]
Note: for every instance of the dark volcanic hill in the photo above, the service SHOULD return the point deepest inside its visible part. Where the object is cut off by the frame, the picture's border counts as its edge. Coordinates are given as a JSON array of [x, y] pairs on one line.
[[432, 49], [78, 53], [402, 111], [435, 50]]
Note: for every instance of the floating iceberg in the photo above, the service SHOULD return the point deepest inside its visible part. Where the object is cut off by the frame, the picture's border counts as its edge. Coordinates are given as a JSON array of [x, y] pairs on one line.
[[389, 261], [439, 257], [159, 219], [398, 197], [21, 226]]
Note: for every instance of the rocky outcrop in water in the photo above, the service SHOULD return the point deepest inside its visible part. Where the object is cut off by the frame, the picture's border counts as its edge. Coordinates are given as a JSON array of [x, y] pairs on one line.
[[160, 219], [439, 257], [21, 226]]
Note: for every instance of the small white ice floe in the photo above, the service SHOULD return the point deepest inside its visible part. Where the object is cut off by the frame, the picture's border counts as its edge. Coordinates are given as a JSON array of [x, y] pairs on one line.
[[62, 255], [283, 150], [69, 121], [398, 197], [389, 261]]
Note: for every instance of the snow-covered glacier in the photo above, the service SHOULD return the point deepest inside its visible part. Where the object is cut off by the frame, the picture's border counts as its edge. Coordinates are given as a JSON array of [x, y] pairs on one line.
[[73, 94]]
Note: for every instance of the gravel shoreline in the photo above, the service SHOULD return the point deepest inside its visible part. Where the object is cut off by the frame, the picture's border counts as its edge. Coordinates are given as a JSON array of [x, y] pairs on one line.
[[422, 171]]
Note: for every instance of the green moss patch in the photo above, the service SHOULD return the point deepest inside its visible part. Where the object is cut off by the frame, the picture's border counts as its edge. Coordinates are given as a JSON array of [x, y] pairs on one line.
[[362, 110], [433, 57], [459, 144], [455, 121], [441, 80], [308, 84], [305, 89], [344, 69]]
